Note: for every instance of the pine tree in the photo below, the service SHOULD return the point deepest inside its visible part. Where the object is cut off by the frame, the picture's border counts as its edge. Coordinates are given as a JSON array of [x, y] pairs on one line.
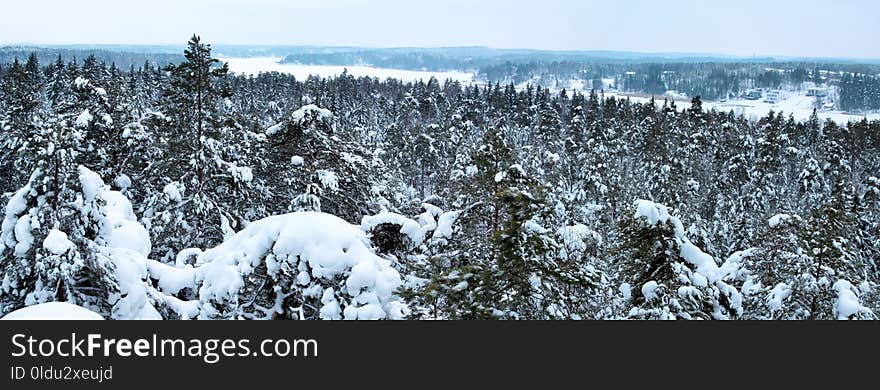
[[199, 182]]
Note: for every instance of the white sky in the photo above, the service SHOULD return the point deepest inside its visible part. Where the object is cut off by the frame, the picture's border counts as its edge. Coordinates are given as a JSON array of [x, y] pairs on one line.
[[827, 28]]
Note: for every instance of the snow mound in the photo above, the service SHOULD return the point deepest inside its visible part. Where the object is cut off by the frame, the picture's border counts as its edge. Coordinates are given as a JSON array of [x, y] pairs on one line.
[[778, 295], [330, 260], [53, 311]]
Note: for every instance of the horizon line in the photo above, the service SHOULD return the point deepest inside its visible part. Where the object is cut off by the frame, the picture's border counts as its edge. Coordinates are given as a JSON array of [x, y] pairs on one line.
[[680, 54]]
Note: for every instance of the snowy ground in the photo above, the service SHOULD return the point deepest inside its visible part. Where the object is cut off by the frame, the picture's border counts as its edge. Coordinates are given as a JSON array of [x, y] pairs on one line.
[[254, 66], [797, 104]]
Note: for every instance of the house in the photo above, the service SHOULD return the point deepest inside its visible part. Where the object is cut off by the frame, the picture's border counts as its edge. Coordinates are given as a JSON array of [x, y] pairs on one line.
[[771, 97], [817, 92], [752, 95]]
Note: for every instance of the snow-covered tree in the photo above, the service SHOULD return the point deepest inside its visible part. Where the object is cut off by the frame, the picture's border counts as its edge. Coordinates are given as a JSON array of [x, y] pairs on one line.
[[667, 277]]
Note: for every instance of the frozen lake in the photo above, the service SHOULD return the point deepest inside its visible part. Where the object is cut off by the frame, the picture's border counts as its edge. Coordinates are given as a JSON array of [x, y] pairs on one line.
[[254, 66]]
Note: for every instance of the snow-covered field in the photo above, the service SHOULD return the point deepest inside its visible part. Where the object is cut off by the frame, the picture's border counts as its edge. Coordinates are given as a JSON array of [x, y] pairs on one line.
[[797, 104], [254, 66]]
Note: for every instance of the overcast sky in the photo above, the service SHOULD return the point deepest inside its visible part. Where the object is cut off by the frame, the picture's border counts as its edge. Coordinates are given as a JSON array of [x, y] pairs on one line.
[[826, 28]]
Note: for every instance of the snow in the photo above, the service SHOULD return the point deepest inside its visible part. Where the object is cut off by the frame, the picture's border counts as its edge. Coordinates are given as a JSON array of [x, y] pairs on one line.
[[81, 82], [173, 192], [185, 309], [649, 290], [500, 176], [120, 227], [123, 242], [122, 181], [56, 242], [171, 280], [778, 295], [445, 224], [84, 119], [120, 244], [779, 219], [15, 232], [183, 257], [333, 252], [733, 268], [431, 209], [577, 237], [91, 183], [328, 180], [352, 159], [705, 264], [847, 303], [625, 290], [131, 271], [297, 161], [254, 66], [310, 112], [410, 228], [241, 174], [274, 129], [795, 103], [53, 311], [148, 313], [653, 212], [533, 227]]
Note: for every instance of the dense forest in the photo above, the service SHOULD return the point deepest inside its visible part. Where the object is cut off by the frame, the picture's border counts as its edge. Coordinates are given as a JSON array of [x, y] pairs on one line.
[[185, 191]]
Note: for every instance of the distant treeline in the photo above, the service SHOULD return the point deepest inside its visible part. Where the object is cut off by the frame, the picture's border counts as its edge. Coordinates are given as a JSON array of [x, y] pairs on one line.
[[122, 59], [711, 77]]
